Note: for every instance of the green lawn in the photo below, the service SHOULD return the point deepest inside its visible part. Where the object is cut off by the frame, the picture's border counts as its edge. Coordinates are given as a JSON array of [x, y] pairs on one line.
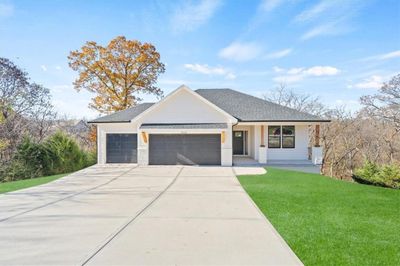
[[20, 184], [327, 221]]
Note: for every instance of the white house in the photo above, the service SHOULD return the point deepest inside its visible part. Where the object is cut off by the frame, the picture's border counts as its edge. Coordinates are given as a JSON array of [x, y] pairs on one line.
[[206, 127]]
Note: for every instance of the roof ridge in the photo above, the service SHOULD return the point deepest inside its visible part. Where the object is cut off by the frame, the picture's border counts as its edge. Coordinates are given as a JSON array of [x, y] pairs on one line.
[[116, 113]]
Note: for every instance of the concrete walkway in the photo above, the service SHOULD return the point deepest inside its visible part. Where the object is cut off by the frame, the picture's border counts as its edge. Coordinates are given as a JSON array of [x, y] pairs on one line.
[[305, 166], [129, 215]]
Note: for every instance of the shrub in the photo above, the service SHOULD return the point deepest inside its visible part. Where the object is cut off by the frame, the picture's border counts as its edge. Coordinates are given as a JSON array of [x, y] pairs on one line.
[[385, 176], [58, 154], [64, 154]]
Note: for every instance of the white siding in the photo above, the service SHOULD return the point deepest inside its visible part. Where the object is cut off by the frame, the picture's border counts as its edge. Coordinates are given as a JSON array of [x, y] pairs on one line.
[[300, 152], [184, 107]]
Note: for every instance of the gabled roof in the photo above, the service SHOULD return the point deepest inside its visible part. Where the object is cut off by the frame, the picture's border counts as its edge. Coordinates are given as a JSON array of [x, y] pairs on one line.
[[247, 108], [184, 88], [243, 107], [123, 116]]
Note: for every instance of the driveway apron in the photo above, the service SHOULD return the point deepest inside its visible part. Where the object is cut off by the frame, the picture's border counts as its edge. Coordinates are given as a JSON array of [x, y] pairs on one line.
[[129, 215]]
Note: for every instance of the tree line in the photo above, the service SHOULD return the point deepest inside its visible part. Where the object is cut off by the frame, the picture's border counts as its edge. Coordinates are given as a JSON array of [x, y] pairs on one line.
[[352, 139]]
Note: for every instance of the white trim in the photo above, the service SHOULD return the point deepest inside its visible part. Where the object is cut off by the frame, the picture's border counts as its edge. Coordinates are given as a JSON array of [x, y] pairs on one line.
[[180, 88]]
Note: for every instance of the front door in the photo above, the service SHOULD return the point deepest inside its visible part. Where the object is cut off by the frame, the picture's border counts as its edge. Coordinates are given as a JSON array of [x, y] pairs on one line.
[[238, 141]]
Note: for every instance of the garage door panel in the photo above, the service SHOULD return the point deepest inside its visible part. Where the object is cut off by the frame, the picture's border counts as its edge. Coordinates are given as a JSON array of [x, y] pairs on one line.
[[121, 148], [188, 149]]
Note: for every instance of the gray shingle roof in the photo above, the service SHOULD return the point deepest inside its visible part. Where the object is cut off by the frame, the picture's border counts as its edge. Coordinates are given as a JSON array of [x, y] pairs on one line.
[[245, 107], [124, 115], [185, 126], [242, 106]]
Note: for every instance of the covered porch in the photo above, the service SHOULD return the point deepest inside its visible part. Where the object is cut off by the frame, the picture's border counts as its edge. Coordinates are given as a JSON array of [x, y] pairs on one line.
[[288, 144]]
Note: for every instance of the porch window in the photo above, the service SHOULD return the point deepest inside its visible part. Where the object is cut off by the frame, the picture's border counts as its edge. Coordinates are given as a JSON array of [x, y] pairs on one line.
[[281, 137], [274, 137], [287, 136]]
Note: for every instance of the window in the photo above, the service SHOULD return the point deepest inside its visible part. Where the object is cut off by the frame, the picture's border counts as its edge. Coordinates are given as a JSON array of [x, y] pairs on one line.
[[281, 137], [238, 134], [274, 137], [287, 136]]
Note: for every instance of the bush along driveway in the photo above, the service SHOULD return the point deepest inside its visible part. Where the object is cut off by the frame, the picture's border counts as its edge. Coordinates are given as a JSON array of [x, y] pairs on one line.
[[327, 221]]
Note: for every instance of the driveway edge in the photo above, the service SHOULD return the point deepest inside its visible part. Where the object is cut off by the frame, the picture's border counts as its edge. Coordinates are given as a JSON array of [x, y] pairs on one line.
[[269, 224]]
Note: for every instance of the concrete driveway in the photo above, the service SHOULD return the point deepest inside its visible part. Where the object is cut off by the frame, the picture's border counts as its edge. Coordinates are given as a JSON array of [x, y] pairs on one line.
[[129, 215]]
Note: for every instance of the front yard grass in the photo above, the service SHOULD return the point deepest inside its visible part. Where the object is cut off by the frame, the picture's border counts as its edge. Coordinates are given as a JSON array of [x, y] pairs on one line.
[[20, 184], [327, 221]]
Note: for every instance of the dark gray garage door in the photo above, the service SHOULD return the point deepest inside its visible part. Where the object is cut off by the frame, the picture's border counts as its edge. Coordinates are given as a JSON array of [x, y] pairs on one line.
[[121, 148], [189, 149]]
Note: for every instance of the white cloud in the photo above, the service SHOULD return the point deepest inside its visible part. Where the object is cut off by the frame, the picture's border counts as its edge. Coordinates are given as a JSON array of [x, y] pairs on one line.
[[6, 10], [212, 71], [328, 29], [269, 5], [386, 56], [299, 73], [43, 67], [58, 68], [315, 11], [191, 16], [329, 17], [373, 82], [279, 54], [240, 51], [321, 71], [230, 76], [277, 69]]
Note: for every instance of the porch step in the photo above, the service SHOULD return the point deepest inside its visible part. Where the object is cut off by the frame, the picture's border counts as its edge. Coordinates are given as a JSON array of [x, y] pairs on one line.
[[290, 162]]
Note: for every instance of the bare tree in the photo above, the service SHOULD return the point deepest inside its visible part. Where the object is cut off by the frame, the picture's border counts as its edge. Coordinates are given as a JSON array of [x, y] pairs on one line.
[[351, 138], [300, 102], [25, 107], [385, 104]]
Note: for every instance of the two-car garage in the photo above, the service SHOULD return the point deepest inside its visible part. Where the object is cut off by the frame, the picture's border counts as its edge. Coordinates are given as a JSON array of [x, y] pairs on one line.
[[166, 149], [187, 149]]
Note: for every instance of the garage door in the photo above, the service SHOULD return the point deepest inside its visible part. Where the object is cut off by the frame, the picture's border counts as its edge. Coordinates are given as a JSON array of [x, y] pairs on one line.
[[121, 148], [189, 149]]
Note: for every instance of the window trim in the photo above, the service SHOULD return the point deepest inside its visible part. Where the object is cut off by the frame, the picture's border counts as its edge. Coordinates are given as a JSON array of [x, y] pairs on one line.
[[281, 136]]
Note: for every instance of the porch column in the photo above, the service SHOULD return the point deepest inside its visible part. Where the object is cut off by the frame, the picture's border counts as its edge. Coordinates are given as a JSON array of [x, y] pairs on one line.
[[262, 136], [142, 147], [316, 136], [316, 152], [262, 150]]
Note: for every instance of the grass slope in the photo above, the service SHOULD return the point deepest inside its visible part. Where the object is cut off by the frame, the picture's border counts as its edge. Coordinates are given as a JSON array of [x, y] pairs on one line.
[[327, 221], [20, 184]]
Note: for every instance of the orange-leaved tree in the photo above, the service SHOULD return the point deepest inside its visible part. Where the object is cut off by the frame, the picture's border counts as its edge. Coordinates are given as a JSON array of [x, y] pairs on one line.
[[118, 73]]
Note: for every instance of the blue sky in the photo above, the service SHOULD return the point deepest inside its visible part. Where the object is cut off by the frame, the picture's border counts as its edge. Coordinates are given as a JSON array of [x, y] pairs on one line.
[[337, 50]]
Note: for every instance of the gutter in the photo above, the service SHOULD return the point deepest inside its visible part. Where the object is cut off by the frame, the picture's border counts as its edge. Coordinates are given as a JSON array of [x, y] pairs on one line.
[[106, 122]]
